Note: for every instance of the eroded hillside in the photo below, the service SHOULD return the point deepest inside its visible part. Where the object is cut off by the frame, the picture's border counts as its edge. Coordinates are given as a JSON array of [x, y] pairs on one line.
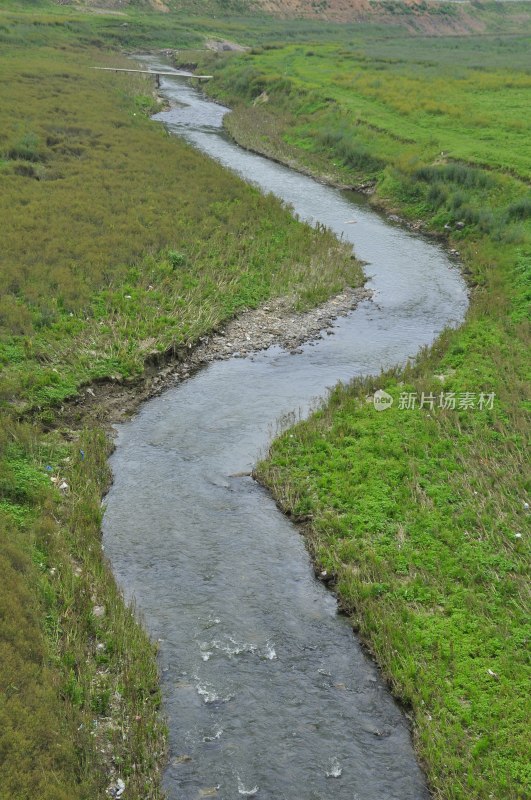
[[433, 17]]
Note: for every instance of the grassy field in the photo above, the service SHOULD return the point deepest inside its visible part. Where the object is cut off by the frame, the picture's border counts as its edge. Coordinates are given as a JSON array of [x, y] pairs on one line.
[[395, 101], [118, 260], [41, 22], [422, 515], [117, 242]]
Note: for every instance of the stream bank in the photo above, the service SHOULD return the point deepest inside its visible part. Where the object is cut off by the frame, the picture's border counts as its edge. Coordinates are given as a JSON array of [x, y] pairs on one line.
[[257, 130], [265, 690], [275, 323], [413, 551]]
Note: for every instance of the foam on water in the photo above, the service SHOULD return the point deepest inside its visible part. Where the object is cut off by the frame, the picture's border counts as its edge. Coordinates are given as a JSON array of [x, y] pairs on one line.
[[235, 648], [270, 652], [214, 737], [247, 792], [334, 770], [210, 695]]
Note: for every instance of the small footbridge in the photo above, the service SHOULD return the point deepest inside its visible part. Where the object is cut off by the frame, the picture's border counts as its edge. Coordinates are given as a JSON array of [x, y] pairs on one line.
[[157, 73]]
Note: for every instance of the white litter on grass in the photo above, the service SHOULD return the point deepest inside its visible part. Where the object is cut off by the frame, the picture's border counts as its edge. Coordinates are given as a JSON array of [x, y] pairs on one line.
[[116, 789]]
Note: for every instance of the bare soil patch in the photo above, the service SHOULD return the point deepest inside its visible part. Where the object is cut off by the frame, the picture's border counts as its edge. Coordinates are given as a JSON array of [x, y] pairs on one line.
[[274, 323]]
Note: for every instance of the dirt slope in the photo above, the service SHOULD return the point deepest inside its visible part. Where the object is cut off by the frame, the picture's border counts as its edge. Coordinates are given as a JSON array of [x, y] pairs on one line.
[[429, 17], [432, 17]]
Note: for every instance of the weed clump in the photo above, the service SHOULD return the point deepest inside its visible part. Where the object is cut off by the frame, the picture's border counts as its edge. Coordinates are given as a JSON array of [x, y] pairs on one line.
[[460, 174]]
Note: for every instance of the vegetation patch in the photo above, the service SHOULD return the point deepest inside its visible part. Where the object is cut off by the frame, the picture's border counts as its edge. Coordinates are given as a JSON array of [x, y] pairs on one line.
[[118, 244], [421, 512]]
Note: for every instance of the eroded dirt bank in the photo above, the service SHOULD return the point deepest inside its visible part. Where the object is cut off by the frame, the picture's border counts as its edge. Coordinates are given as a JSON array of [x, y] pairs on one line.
[[274, 323]]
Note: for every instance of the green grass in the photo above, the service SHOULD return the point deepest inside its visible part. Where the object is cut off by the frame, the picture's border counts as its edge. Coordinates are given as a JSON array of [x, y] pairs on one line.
[[80, 692], [466, 100], [117, 242], [101, 198], [417, 512]]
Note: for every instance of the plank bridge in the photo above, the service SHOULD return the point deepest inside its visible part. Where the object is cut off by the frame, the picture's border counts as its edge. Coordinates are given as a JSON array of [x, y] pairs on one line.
[[157, 73]]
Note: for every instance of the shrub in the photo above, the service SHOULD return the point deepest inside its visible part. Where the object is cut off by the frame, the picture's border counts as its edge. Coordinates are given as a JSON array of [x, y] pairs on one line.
[[520, 209], [26, 149], [176, 259], [353, 154], [461, 174], [437, 195], [457, 200]]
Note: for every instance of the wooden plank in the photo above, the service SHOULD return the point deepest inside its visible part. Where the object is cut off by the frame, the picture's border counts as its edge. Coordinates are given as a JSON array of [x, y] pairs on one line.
[[153, 72]]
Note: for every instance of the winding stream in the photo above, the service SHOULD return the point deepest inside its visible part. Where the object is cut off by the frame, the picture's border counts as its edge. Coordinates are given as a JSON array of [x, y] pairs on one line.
[[266, 690]]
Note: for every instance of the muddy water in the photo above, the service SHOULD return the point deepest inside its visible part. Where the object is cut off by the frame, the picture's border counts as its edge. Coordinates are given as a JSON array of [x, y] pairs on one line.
[[266, 689]]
